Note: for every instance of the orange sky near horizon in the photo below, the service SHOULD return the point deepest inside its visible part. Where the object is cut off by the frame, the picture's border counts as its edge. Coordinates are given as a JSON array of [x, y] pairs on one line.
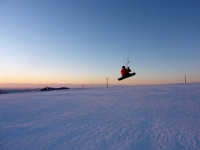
[[32, 81]]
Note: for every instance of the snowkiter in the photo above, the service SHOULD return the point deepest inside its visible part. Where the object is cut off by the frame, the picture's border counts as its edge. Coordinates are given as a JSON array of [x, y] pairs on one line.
[[125, 71]]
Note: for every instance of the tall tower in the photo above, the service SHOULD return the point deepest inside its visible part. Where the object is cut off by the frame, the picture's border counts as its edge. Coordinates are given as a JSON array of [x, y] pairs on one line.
[[185, 79], [107, 82]]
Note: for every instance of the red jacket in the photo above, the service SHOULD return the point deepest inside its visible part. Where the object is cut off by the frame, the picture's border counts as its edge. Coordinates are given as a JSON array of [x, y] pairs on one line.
[[125, 71]]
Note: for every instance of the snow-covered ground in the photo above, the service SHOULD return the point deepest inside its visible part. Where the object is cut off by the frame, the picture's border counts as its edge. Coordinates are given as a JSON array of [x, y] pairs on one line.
[[137, 117]]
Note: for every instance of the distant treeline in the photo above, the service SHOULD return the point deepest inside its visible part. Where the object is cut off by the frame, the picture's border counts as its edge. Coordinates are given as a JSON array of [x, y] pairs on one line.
[[6, 91]]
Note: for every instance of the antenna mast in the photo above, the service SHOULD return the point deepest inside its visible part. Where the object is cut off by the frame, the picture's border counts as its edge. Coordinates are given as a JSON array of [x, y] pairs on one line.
[[185, 79]]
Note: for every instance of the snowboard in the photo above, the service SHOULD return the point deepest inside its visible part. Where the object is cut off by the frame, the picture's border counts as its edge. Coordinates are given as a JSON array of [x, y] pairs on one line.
[[127, 76]]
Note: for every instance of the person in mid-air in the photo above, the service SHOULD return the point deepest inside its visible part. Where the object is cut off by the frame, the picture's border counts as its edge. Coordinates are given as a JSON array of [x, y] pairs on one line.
[[125, 71]]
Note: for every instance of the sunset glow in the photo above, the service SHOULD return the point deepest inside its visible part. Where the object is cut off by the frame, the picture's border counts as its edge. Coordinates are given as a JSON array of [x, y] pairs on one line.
[[85, 42]]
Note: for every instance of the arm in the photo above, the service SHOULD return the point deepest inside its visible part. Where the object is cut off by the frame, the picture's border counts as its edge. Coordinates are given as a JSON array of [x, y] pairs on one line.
[[129, 70]]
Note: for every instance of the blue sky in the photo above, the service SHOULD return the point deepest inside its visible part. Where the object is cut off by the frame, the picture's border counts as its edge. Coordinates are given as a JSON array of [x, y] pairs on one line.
[[86, 41]]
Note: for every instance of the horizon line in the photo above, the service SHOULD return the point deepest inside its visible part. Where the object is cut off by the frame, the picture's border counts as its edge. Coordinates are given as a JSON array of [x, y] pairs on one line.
[[77, 85]]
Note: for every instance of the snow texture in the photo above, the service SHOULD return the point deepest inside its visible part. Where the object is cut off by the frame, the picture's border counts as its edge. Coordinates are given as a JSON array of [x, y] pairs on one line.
[[162, 117]]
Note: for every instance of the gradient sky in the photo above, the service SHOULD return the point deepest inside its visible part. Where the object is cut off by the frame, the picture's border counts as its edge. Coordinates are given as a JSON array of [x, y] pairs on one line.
[[86, 41]]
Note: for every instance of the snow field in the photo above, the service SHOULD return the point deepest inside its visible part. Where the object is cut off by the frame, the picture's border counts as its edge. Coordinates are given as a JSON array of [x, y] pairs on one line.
[[137, 117]]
